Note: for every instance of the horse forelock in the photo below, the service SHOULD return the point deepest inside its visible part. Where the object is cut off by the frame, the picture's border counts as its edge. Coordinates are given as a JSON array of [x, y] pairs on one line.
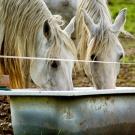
[[60, 39], [99, 12]]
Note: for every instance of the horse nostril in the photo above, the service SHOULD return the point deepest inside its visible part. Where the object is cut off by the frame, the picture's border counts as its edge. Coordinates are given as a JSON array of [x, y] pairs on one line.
[[55, 64]]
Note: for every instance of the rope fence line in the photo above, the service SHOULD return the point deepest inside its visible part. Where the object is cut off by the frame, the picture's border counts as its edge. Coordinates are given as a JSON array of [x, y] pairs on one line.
[[65, 60]]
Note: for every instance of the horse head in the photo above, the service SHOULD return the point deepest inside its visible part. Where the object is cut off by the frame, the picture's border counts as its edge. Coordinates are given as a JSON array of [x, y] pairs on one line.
[[56, 44], [104, 47]]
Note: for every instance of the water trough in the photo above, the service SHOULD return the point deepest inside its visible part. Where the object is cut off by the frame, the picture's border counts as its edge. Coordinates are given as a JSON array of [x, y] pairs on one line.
[[84, 111]]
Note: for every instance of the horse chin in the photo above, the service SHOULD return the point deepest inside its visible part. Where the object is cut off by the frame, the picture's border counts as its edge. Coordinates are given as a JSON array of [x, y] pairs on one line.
[[51, 87], [101, 86], [107, 87], [62, 88], [50, 84], [57, 89]]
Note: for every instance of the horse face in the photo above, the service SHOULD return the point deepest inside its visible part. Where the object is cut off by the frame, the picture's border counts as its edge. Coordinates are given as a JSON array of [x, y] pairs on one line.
[[106, 47], [53, 74], [104, 75]]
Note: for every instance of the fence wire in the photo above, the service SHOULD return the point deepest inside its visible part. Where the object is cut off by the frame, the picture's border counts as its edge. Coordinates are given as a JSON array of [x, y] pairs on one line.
[[65, 60]]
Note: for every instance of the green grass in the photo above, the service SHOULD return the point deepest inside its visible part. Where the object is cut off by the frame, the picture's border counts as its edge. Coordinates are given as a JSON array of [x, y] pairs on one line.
[[129, 59], [117, 5]]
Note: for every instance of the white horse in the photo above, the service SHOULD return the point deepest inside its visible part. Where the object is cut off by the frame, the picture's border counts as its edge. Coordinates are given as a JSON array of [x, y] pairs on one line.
[[27, 28], [98, 41]]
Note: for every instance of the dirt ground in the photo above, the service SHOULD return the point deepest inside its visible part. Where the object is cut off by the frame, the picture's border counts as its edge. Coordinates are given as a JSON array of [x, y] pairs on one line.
[[5, 118], [126, 78]]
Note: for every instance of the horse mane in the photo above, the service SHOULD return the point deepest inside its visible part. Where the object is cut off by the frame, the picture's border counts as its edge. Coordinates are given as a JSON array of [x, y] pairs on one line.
[[22, 20], [99, 12]]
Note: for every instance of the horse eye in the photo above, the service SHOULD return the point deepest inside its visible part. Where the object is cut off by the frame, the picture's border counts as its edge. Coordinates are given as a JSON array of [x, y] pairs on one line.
[[55, 64], [93, 57]]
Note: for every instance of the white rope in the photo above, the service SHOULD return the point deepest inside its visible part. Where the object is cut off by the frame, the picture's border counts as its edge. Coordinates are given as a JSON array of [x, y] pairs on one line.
[[65, 60]]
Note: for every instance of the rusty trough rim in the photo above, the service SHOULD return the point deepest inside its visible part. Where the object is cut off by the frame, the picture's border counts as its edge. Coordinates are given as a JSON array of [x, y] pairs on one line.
[[83, 91]]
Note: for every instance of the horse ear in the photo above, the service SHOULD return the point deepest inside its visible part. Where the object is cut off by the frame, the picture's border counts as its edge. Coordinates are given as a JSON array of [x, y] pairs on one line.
[[46, 29], [89, 22], [120, 21], [70, 28]]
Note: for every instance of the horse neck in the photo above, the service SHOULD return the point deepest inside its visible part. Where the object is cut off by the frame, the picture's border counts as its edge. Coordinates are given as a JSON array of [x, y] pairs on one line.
[[98, 10], [23, 35]]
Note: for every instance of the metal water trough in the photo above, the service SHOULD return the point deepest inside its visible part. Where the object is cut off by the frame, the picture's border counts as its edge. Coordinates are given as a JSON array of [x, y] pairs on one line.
[[84, 111]]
